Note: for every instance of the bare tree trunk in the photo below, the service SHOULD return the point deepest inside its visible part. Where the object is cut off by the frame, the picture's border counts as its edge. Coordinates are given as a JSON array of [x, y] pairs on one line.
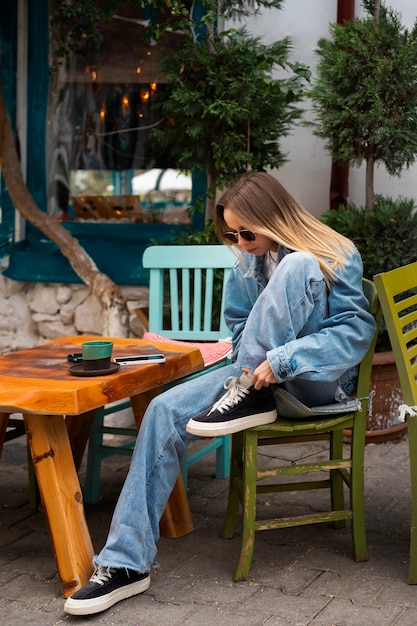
[[369, 185], [377, 10], [115, 316]]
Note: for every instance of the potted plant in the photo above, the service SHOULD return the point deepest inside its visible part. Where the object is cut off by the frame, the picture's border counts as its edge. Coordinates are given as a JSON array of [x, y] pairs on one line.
[[365, 98]]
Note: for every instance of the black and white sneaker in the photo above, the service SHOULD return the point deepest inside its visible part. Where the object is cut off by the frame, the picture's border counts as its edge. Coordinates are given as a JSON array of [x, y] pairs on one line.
[[239, 408], [106, 587]]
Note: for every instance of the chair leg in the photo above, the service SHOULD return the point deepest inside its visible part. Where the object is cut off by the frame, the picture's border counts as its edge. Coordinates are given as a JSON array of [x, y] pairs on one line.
[[357, 494], [4, 418], [223, 458], [412, 443], [337, 484], [250, 451], [185, 466], [92, 479], [219, 445], [233, 502]]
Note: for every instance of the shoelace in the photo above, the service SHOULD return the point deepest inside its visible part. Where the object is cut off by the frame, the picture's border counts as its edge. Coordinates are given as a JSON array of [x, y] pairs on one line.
[[405, 410], [102, 575], [234, 394]]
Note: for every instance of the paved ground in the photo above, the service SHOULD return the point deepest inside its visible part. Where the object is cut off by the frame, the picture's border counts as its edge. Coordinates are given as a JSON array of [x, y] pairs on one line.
[[299, 577]]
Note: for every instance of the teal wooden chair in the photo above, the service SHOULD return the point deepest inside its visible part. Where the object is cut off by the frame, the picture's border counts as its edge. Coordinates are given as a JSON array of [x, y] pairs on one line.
[[247, 480], [397, 291], [185, 283]]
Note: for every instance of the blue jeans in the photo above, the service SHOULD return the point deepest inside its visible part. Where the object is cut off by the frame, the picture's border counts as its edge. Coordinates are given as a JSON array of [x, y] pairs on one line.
[[288, 306]]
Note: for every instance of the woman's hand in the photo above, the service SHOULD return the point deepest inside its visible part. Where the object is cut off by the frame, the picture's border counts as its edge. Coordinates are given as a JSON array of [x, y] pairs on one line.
[[263, 376]]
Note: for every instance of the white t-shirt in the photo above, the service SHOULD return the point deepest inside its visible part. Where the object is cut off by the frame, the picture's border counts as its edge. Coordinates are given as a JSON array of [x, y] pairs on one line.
[[270, 263]]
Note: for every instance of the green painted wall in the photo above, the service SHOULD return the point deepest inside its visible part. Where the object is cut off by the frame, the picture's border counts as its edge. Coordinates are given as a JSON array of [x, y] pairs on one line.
[[8, 18]]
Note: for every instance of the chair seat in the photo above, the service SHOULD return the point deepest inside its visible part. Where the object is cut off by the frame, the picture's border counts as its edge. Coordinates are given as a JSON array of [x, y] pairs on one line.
[[315, 425]]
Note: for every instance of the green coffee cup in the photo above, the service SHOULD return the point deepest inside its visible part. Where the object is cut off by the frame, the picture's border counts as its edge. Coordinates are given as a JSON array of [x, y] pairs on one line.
[[96, 354]]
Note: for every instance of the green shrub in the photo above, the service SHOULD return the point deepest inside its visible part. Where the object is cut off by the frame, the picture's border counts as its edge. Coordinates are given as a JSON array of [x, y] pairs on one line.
[[386, 237]]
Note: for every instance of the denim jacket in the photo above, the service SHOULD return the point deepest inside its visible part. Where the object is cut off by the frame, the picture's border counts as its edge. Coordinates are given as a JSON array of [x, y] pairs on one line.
[[332, 353]]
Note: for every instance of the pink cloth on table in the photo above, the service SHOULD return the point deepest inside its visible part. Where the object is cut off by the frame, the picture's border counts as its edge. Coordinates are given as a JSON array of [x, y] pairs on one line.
[[212, 351]]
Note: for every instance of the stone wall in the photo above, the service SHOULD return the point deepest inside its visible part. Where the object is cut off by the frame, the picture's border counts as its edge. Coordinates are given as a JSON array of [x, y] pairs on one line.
[[34, 313]]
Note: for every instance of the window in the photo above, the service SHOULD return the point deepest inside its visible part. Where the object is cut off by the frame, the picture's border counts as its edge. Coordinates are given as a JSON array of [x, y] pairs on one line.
[[102, 163]]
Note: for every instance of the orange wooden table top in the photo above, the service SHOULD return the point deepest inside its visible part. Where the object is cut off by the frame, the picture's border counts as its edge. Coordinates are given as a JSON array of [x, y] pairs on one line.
[[38, 380]]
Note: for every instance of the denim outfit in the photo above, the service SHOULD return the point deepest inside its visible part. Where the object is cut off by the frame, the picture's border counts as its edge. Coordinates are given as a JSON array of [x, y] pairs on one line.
[[313, 339]]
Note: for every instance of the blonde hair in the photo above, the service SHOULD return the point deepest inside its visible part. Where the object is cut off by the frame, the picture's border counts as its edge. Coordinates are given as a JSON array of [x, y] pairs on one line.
[[265, 206]]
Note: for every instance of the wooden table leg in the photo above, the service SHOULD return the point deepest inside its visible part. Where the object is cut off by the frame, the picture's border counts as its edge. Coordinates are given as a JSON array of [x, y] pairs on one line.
[[176, 520], [4, 418], [62, 499]]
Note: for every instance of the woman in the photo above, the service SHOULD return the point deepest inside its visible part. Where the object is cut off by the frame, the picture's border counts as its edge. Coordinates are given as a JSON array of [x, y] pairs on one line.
[[299, 319]]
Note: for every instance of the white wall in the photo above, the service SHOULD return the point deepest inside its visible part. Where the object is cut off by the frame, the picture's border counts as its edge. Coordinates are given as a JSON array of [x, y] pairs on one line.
[[307, 173]]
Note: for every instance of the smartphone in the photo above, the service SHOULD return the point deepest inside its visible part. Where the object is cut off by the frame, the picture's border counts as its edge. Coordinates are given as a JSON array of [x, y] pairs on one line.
[[140, 358]]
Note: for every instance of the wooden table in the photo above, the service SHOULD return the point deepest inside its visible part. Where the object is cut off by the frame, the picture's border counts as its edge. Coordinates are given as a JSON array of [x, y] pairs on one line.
[[58, 410]]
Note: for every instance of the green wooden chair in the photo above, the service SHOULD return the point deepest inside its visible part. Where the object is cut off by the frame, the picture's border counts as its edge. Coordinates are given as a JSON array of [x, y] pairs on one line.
[[397, 291], [185, 283], [341, 468]]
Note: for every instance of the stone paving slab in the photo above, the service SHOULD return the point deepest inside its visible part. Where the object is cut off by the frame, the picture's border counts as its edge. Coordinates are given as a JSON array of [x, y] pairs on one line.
[[302, 576]]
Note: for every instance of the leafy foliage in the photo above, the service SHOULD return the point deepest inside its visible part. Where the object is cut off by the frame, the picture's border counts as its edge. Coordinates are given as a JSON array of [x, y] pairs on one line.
[[386, 237], [80, 20], [79, 23], [191, 236], [224, 111]]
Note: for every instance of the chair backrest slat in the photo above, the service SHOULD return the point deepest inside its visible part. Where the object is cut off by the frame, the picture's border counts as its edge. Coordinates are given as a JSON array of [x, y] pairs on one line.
[[173, 298], [197, 277], [208, 299], [181, 307], [397, 291]]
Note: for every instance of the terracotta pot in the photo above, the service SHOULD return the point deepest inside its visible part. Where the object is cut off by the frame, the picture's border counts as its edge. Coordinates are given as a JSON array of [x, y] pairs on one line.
[[383, 424]]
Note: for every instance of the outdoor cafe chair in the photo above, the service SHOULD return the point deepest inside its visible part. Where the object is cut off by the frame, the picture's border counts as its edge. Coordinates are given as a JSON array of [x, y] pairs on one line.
[[397, 292], [185, 285], [342, 465]]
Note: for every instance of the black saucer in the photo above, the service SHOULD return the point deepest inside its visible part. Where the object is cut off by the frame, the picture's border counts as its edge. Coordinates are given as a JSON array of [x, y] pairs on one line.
[[78, 370]]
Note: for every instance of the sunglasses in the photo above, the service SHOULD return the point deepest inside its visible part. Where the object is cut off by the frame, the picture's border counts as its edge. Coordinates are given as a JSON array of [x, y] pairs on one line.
[[247, 235]]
